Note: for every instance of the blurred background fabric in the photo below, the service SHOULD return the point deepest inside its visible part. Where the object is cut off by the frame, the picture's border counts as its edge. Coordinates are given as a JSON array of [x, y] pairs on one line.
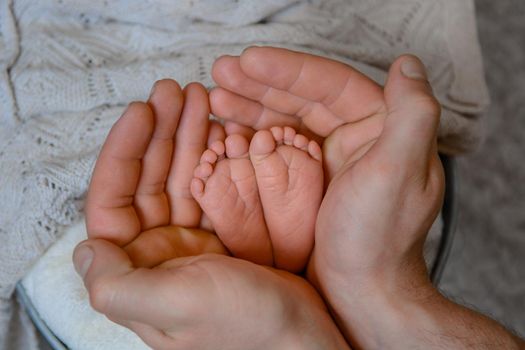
[[486, 269]]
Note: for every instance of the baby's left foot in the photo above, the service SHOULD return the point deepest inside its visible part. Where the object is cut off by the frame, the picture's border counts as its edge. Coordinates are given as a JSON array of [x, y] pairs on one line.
[[225, 187], [289, 173]]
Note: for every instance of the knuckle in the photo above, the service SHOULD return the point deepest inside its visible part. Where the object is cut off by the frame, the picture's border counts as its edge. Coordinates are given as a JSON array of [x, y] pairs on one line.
[[100, 295]]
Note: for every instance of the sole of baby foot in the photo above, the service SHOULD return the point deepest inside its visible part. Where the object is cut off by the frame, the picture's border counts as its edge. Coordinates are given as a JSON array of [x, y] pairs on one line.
[[289, 173], [225, 187]]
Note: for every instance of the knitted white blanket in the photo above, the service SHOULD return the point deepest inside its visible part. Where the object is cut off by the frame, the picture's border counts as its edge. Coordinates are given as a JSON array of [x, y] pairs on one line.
[[67, 68]]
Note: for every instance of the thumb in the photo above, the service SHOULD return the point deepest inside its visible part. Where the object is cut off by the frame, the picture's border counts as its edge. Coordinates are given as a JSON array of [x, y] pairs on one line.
[[117, 289], [410, 131], [97, 258]]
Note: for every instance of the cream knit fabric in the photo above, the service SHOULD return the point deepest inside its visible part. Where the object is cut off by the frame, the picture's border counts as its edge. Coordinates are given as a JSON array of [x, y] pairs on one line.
[[68, 67]]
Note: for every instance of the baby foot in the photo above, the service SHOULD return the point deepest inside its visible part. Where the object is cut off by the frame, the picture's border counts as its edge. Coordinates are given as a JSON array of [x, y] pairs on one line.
[[289, 173], [225, 187]]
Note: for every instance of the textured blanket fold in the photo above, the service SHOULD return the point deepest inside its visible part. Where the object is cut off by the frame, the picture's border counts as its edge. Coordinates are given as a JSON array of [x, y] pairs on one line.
[[67, 69]]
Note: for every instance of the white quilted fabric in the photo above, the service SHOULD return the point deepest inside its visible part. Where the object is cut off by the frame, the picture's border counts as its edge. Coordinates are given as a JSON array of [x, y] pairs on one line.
[[67, 68]]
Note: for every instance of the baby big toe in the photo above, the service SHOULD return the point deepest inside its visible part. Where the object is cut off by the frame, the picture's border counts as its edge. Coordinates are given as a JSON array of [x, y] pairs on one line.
[[263, 143]]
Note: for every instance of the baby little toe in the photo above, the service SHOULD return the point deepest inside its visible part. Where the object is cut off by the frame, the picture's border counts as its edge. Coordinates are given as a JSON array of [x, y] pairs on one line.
[[301, 142], [314, 150]]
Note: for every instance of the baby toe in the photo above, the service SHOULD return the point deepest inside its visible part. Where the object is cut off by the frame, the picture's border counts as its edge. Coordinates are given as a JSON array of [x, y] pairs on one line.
[[236, 146], [209, 156], [289, 135], [314, 150], [278, 134], [203, 171], [263, 143], [301, 142], [197, 187], [218, 147]]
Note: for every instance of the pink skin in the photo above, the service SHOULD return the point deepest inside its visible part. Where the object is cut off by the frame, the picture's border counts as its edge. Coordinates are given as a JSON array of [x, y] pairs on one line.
[[262, 198], [369, 267], [327, 101], [175, 287], [290, 182], [225, 187]]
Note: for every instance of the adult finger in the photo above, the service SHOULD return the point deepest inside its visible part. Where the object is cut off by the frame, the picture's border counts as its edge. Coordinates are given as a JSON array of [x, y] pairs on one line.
[[110, 213], [237, 108], [412, 118], [254, 115], [190, 143], [151, 202], [227, 72], [321, 91]]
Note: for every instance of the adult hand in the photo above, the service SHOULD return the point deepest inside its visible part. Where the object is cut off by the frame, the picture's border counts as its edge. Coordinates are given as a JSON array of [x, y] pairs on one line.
[[175, 287], [324, 99], [385, 182], [385, 190], [207, 301], [139, 193], [377, 212]]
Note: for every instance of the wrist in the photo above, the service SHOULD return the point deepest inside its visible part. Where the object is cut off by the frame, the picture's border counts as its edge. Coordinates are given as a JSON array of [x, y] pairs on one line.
[[380, 306], [389, 318], [421, 318]]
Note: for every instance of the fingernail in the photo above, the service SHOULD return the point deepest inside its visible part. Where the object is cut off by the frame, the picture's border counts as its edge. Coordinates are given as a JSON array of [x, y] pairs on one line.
[[83, 257], [412, 68]]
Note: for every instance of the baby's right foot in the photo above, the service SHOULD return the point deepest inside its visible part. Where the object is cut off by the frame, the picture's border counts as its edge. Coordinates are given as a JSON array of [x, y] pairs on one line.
[[225, 187], [289, 176]]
